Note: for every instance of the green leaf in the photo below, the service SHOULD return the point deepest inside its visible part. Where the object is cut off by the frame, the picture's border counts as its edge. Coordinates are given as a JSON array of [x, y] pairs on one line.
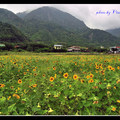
[[27, 114], [42, 112], [66, 92], [88, 110], [80, 94], [35, 108], [2, 100], [1, 93], [15, 113], [12, 108]]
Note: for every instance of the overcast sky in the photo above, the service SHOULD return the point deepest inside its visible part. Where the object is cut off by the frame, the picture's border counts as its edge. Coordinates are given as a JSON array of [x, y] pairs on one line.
[[97, 16]]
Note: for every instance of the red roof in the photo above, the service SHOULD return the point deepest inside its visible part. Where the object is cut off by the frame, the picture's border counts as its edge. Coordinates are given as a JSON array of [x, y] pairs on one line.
[[16, 46]]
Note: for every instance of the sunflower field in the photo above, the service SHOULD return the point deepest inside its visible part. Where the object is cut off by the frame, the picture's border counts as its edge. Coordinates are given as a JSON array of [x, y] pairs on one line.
[[59, 84]]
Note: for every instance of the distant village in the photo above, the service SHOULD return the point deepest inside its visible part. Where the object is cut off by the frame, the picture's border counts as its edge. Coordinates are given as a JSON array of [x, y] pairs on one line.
[[71, 49], [113, 49]]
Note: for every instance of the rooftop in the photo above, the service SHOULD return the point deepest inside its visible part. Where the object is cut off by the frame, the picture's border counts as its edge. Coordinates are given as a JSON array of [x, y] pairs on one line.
[[58, 45]]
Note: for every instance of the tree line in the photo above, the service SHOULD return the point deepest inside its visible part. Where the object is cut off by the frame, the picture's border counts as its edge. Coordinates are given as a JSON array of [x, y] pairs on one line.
[[40, 47]]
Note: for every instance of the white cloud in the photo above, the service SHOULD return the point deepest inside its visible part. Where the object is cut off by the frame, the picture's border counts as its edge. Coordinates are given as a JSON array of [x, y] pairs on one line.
[[84, 12], [87, 13], [21, 7]]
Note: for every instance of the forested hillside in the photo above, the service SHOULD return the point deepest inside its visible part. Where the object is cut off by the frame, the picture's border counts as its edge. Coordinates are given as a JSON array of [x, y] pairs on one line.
[[50, 26], [9, 33]]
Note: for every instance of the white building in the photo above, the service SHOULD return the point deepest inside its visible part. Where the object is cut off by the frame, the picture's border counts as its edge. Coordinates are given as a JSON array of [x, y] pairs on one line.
[[58, 46], [115, 49]]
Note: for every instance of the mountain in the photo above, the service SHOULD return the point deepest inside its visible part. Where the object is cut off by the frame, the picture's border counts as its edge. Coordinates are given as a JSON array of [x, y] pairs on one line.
[[101, 38], [115, 32], [7, 16], [53, 15], [22, 14], [8, 33], [51, 26]]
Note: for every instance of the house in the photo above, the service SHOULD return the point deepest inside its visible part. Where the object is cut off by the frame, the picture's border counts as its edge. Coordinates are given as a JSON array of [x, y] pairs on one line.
[[58, 46], [101, 47], [74, 49], [115, 49], [2, 45], [16, 46]]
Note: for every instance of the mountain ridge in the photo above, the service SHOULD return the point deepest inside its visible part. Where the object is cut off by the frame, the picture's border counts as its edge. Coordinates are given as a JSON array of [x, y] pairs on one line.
[[9, 33], [115, 32], [50, 14], [50, 25]]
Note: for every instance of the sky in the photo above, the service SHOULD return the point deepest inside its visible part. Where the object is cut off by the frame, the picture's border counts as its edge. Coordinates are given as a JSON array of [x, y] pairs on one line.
[[96, 16]]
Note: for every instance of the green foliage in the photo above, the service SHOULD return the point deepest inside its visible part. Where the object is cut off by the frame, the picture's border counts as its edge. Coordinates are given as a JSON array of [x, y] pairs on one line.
[[9, 33], [49, 26], [95, 90]]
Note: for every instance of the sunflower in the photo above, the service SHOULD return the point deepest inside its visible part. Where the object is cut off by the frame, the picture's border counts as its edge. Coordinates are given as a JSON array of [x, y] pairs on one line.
[[65, 75], [43, 75], [30, 86], [54, 68], [91, 81], [109, 67], [91, 75], [35, 85], [51, 79], [82, 81], [113, 108], [105, 61], [97, 67], [108, 93], [2, 85], [19, 81], [24, 73], [95, 102], [55, 75], [35, 74], [75, 77], [118, 67], [16, 95], [100, 65], [18, 88], [114, 87], [95, 87], [12, 87], [118, 81], [9, 97], [102, 72], [113, 69], [75, 63], [118, 101], [87, 76]]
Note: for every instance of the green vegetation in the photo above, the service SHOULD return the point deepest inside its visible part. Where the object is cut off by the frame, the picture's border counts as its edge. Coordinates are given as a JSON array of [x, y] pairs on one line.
[[40, 84], [39, 47], [51, 26], [9, 33]]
